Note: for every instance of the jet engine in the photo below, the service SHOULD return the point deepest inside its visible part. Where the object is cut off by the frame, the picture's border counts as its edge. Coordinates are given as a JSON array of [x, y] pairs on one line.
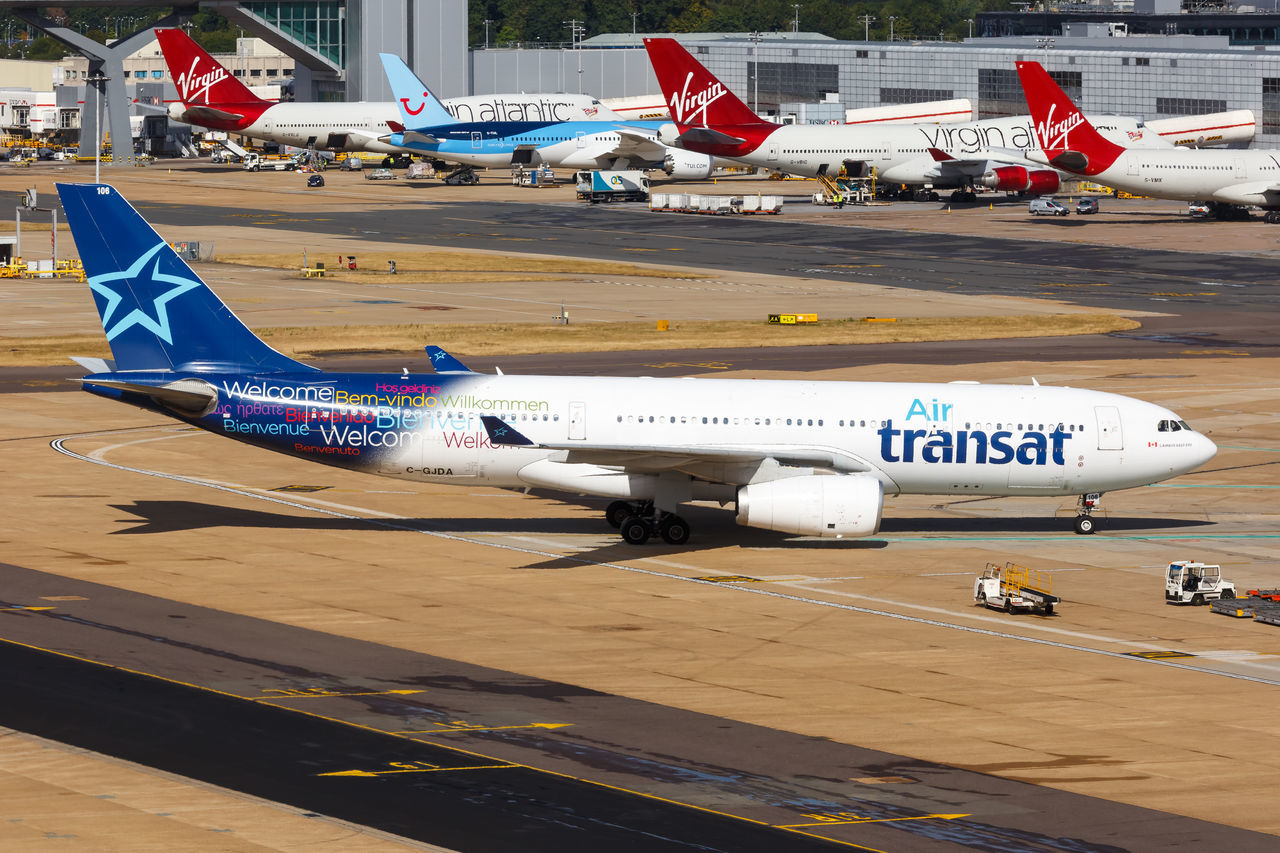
[[668, 133], [687, 165], [832, 505], [1020, 179]]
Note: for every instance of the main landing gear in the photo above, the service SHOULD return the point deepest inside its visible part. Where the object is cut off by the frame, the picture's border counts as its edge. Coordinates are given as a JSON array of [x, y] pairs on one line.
[[1084, 521], [638, 521]]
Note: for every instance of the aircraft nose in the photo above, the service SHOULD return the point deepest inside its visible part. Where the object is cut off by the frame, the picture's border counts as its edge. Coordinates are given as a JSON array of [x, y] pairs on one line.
[[1202, 450]]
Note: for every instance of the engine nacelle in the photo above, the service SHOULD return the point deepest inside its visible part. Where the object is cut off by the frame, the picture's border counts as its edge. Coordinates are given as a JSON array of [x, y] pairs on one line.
[[668, 133], [177, 112], [687, 165], [1020, 179], [832, 505], [1006, 178], [1043, 182]]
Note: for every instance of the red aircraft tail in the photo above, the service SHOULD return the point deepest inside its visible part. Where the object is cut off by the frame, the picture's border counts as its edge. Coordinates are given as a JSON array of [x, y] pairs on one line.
[[1065, 135], [200, 80], [696, 97]]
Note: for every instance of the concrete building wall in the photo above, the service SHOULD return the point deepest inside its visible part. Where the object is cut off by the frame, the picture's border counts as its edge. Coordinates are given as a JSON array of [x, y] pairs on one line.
[[431, 35]]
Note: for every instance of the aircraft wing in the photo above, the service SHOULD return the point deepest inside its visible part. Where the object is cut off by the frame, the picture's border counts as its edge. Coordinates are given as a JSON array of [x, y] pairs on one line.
[[673, 457], [639, 145], [975, 164], [1256, 192]]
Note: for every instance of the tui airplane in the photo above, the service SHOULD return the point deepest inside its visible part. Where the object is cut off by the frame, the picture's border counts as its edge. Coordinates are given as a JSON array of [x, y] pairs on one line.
[[801, 457]]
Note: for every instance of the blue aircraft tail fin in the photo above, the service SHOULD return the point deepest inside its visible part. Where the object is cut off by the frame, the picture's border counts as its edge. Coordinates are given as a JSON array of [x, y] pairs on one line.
[[156, 312], [418, 107], [502, 433]]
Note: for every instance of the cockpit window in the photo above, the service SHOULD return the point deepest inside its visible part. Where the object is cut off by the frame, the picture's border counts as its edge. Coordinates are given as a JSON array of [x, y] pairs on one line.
[[1171, 426], [1184, 425]]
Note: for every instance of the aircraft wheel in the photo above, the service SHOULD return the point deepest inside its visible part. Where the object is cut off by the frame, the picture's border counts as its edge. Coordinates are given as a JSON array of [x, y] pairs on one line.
[[618, 512], [674, 530], [635, 531], [1084, 525]]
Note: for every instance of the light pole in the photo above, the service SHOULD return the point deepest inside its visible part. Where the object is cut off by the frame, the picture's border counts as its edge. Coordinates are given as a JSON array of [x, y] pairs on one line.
[[867, 21], [892, 18], [576, 30], [100, 82], [486, 23], [795, 24], [755, 37], [970, 21], [634, 15]]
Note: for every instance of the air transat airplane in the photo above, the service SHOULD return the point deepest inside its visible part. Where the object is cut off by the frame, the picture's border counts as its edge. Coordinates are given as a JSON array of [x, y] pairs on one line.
[[709, 118], [212, 97], [808, 458], [430, 129], [1072, 144]]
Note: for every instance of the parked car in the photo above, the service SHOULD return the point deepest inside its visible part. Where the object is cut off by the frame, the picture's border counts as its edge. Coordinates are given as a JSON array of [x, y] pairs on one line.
[[315, 180], [1087, 205], [1198, 209], [379, 175], [1047, 207]]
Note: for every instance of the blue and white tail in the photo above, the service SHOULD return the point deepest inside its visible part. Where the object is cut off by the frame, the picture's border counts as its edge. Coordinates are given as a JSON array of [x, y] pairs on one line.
[[156, 312], [418, 107]]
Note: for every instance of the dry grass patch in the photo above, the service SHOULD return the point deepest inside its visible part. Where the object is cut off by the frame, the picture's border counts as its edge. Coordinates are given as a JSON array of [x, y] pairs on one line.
[[516, 338], [448, 265]]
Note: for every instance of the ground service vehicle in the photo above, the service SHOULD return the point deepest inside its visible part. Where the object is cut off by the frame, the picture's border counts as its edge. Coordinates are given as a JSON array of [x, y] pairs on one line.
[[1087, 205], [379, 175], [1198, 210], [1046, 207], [315, 180], [1012, 587], [613, 185], [255, 162], [1196, 583]]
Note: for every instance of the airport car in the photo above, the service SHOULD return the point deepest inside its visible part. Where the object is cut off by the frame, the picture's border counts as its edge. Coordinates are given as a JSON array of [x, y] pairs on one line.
[[1198, 209], [380, 175], [1047, 207], [1087, 205], [315, 181]]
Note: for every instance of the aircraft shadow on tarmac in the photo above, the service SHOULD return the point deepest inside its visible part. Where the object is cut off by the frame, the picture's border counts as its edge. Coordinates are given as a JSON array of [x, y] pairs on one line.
[[714, 529]]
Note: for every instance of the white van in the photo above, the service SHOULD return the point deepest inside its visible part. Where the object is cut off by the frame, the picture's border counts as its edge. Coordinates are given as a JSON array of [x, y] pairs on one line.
[[1047, 206]]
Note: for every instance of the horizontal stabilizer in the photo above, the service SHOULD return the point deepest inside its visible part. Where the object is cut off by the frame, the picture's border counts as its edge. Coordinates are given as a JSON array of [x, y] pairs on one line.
[[939, 155], [420, 138], [707, 136], [1070, 161], [201, 115], [442, 362], [94, 364], [193, 397], [500, 433]]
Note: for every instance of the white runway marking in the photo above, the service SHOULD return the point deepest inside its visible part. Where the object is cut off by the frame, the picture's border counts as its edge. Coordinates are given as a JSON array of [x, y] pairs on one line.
[[390, 521]]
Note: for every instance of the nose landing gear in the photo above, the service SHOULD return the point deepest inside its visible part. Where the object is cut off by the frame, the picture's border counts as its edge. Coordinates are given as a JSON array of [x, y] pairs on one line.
[[1084, 523]]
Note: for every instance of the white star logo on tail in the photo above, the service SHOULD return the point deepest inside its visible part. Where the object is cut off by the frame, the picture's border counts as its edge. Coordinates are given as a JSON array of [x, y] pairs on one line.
[[137, 317]]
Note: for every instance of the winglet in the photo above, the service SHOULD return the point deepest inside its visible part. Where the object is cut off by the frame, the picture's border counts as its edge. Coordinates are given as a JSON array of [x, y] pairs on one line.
[[939, 155], [445, 363], [500, 433], [418, 107]]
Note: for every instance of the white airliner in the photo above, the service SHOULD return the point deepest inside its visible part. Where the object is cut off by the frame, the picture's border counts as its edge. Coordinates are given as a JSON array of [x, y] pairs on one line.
[[802, 457], [1072, 144], [212, 97], [993, 153]]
